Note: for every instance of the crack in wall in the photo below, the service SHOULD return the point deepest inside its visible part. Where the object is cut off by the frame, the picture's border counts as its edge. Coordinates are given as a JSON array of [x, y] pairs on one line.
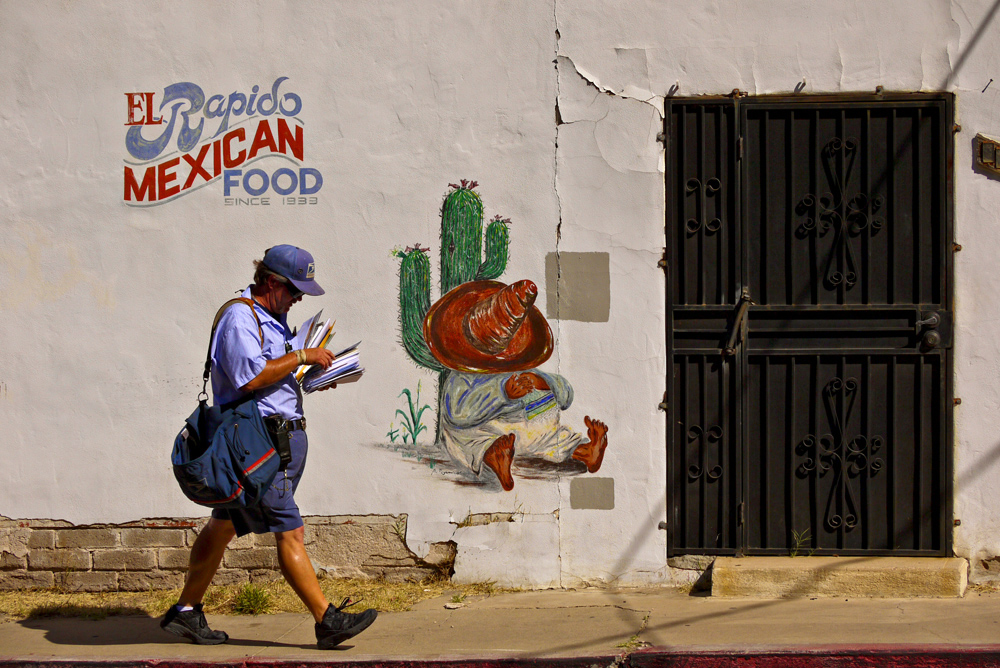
[[653, 100], [559, 222]]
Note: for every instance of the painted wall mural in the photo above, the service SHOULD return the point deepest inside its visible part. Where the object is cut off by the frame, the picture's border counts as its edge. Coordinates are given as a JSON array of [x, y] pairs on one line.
[[498, 414]]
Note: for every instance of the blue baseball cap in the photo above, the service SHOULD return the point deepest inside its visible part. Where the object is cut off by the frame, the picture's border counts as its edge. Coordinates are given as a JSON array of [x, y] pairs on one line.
[[296, 265]]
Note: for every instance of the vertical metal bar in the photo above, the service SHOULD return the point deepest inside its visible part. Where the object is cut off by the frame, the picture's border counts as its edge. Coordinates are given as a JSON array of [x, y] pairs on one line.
[[725, 458], [702, 203], [814, 158], [840, 447], [721, 238], [890, 455], [789, 208], [865, 473], [917, 213], [790, 449], [890, 214], [765, 443], [764, 226], [680, 231], [865, 271], [918, 439], [682, 449], [702, 445], [814, 430], [669, 485], [947, 362], [841, 205]]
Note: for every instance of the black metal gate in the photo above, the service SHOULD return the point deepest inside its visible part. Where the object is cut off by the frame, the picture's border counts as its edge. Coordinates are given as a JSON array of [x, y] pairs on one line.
[[809, 325]]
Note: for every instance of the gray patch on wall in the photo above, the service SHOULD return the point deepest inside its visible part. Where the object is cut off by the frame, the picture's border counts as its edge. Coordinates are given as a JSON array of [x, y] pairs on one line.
[[592, 493], [578, 286]]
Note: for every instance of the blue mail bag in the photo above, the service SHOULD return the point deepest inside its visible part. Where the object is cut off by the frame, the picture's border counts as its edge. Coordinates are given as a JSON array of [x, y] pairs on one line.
[[224, 456]]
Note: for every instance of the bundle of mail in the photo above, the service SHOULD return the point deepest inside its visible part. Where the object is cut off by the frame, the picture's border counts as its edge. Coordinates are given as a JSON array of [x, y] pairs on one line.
[[346, 367]]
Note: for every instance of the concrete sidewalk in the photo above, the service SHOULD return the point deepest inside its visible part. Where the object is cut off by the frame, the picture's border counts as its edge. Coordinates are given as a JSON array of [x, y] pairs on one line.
[[649, 627]]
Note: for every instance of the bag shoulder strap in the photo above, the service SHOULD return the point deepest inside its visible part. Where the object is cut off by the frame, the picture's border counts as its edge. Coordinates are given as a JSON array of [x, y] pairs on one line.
[[215, 323]]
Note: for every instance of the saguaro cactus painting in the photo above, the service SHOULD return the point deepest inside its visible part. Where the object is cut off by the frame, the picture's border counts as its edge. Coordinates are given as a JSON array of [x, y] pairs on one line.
[[461, 261], [478, 336]]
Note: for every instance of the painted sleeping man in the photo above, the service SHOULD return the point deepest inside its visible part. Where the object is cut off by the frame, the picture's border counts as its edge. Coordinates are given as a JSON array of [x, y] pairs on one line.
[[495, 404]]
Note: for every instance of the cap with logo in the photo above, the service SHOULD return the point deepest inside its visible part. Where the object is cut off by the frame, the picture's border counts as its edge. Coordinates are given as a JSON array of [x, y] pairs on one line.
[[296, 265]]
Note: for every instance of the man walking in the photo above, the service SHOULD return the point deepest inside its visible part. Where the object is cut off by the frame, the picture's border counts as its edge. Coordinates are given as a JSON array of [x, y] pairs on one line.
[[261, 361]]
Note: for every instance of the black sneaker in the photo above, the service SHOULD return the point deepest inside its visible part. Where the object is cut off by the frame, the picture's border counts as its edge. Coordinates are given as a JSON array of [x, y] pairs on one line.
[[338, 626], [193, 626]]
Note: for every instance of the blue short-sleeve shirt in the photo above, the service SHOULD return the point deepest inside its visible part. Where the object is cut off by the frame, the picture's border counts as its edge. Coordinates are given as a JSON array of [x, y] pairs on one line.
[[238, 358]]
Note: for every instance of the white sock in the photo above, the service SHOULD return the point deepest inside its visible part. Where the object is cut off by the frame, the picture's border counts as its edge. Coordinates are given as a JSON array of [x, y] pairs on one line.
[[184, 608]]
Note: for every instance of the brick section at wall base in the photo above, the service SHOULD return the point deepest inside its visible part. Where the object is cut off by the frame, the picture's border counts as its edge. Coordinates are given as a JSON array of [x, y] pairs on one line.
[[153, 553]]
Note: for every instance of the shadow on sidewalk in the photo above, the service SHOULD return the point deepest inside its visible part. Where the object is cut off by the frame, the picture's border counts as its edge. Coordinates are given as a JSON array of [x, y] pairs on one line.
[[132, 629]]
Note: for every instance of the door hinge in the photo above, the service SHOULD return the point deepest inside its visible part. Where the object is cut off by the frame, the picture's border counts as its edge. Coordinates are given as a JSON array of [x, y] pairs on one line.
[[662, 264], [663, 404], [739, 514], [739, 148]]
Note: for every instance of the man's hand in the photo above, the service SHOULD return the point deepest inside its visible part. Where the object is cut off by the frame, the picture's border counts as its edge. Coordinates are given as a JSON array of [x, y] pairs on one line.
[[519, 385], [320, 356], [278, 369]]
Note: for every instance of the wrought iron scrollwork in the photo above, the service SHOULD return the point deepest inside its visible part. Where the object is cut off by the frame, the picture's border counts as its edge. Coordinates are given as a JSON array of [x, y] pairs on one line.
[[706, 190], [834, 210], [835, 452], [698, 435]]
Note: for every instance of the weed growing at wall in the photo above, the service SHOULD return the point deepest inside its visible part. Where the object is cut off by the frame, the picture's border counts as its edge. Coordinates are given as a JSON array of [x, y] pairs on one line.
[[252, 599]]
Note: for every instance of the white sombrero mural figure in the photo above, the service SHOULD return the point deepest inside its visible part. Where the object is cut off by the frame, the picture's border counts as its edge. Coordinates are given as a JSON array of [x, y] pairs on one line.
[[486, 339]]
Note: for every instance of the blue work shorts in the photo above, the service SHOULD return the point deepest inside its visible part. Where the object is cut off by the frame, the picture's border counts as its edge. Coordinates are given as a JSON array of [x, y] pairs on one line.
[[277, 511]]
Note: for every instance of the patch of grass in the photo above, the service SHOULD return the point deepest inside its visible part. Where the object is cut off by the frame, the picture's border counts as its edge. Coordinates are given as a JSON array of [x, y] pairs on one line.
[[252, 599], [634, 643], [800, 539], [16, 605], [224, 600]]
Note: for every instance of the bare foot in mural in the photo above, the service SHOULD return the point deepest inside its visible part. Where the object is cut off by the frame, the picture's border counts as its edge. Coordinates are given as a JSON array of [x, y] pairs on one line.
[[499, 457], [592, 453]]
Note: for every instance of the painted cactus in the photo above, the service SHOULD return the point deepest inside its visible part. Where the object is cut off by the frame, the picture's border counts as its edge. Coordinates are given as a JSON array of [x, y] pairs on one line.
[[462, 260]]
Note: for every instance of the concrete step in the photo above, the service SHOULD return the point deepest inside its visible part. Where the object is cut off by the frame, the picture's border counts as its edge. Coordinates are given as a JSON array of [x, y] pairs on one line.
[[857, 577]]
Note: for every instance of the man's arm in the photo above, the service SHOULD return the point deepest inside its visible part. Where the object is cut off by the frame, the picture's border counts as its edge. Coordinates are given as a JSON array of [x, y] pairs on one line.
[[275, 370]]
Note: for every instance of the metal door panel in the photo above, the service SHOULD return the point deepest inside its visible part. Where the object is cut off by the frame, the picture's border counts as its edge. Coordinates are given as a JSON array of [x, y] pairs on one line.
[[809, 325], [706, 471], [843, 454], [845, 213]]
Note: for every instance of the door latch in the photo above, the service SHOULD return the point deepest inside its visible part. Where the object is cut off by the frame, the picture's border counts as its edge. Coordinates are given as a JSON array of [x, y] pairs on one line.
[[736, 331], [928, 322]]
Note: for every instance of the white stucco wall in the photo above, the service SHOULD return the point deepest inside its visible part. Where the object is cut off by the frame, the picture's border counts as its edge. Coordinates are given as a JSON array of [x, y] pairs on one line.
[[105, 307]]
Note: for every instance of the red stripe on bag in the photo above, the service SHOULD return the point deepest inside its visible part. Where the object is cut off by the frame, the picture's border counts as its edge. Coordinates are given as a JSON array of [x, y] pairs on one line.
[[257, 464], [239, 490]]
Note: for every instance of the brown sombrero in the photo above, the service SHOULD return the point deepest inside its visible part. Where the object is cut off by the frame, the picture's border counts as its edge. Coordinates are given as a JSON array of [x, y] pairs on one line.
[[488, 327]]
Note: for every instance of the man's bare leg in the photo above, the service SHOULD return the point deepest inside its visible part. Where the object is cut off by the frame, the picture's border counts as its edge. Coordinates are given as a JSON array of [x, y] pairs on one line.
[[592, 452], [499, 457], [206, 555], [298, 571]]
